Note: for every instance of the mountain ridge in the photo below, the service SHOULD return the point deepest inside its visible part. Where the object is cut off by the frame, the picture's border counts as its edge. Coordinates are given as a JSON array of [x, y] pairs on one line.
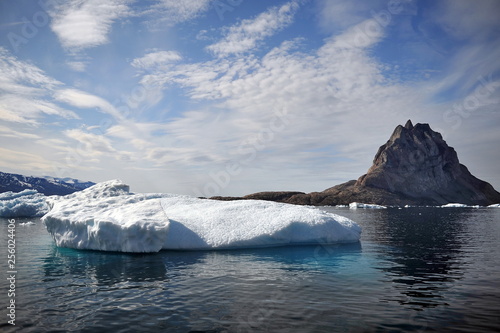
[[46, 185]]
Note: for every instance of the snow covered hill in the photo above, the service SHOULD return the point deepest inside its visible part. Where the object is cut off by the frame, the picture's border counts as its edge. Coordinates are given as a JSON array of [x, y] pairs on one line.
[[45, 185]]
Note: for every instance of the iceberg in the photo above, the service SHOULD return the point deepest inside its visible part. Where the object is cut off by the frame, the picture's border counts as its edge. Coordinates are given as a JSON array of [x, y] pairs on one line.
[[28, 203], [26, 223], [108, 217], [356, 205], [494, 206], [458, 205]]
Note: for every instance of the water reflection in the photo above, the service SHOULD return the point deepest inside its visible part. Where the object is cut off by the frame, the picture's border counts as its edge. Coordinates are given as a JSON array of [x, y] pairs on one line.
[[236, 289], [110, 268], [103, 268], [421, 251]]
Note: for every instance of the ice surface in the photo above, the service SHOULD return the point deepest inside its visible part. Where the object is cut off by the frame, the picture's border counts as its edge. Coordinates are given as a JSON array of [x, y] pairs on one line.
[[197, 223], [27, 223], [457, 205], [107, 217], [28, 203], [355, 205]]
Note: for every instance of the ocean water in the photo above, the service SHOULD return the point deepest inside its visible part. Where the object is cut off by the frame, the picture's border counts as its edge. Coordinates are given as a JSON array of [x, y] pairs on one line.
[[415, 270]]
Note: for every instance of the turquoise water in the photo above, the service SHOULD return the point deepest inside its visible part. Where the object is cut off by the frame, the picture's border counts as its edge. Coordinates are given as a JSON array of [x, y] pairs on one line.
[[415, 270]]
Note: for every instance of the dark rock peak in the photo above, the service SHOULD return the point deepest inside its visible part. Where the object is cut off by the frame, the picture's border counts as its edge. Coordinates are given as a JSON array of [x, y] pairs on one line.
[[416, 162], [409, 125], [419, 131]]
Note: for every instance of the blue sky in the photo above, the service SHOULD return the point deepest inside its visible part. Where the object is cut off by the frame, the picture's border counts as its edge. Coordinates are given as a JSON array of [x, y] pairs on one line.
[[230, 97]]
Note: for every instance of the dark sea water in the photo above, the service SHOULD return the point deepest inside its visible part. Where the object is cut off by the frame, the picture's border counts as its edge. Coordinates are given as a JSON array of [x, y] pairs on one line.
[[415, 270]]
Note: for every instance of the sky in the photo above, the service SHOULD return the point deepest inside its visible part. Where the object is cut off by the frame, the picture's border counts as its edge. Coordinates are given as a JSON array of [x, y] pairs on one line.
[[231, 97]]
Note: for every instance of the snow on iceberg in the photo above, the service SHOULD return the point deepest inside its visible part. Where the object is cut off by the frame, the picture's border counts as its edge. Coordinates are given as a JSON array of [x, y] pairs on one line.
[[26, 223], [200, 224], [107, 217], [356, 205], [28, 203], [457, 205]]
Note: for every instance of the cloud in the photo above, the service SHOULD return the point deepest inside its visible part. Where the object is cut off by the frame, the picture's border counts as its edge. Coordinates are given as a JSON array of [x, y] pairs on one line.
[[83, 99], [77, 66], [26, 92], [171, 12], [464, 19], [20, 77], [471, 32], [11, 133], [59, 144], [291, 104], [139, 135], [334, 16], [126, 129], [246, 35], [93, 144], [26, 110], [85, 24], [344, 13], [18, 160], [92, 147], [155, 59]]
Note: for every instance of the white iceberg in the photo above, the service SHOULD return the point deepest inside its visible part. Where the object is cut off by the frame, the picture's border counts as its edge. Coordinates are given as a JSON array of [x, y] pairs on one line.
[[458, 205], [27, 223], [356, 205], [28, 203], [107, 217], [494, 206]]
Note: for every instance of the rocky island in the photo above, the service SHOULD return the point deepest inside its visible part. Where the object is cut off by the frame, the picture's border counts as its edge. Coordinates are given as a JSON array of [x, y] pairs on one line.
[[414, 167]]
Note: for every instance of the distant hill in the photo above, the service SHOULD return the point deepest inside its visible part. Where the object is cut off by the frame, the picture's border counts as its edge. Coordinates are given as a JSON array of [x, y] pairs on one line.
[[45, 185], [414, 167]]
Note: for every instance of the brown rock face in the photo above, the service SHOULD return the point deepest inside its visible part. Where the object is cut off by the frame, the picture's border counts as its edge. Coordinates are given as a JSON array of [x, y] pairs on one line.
[[416, 167]]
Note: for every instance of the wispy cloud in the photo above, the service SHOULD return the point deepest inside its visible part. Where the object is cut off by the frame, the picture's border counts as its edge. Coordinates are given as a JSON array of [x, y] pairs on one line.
[[246, 35], [27, 110], [93, 144], [85, 100], [78, 66], [466, 20], [85, 24], [22, 77], [155, 59], [27, 91], [170, 12], [341, 14], [12, 133], [473, 43], [18, 160]]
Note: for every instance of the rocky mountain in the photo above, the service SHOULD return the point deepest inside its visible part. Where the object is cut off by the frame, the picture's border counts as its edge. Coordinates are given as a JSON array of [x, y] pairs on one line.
[[46, 185], [414, 167]]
